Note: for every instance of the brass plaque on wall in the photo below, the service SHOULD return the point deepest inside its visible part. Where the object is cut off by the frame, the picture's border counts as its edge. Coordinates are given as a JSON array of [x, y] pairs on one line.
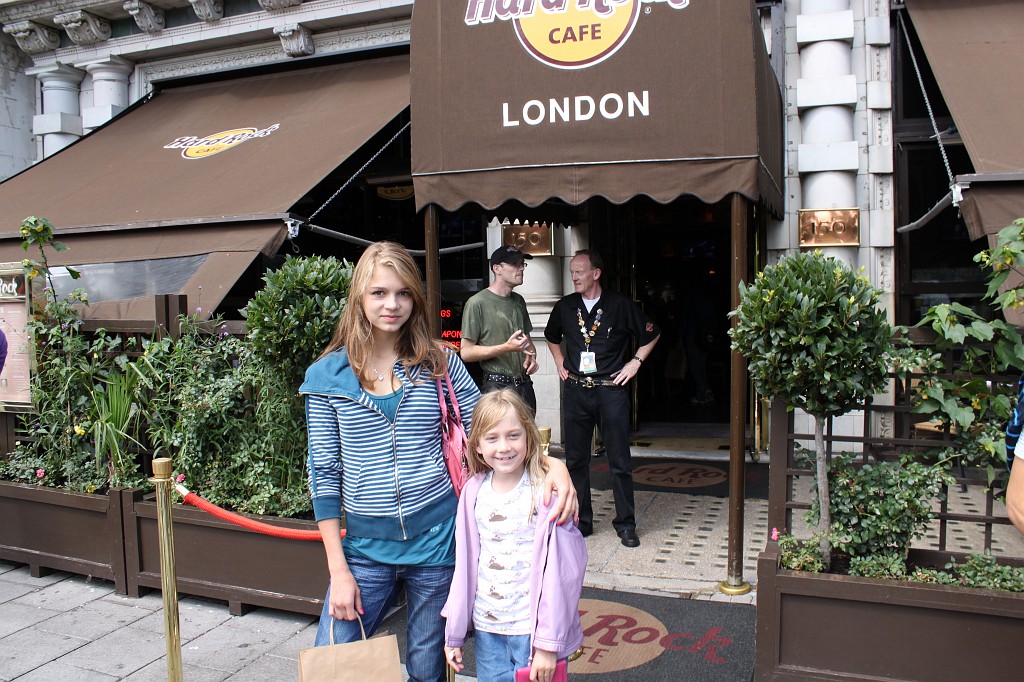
[[535, 239], [830, 227]]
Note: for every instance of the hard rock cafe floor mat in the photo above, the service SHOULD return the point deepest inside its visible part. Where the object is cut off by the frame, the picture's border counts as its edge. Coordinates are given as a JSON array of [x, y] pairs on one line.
[[681, 476], [646, 638]]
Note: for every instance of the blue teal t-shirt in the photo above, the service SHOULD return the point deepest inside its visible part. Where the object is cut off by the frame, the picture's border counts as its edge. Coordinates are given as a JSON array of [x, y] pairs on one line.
[[433, 547], [387, 404]]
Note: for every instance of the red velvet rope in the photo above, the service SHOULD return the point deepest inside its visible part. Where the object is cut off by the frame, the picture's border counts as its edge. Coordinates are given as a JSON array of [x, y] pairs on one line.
[[250, 524]]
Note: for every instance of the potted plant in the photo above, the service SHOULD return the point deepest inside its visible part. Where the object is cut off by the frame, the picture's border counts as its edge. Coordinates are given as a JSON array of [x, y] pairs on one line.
[[812, 315], [223, 407], [814, 337], [60, 499]]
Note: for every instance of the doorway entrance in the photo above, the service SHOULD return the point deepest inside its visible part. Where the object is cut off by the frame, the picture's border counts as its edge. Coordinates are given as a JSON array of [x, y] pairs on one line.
[[674, 260]]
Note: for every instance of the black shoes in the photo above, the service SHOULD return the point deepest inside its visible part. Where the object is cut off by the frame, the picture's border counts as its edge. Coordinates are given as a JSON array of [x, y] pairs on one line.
[[629, 537]]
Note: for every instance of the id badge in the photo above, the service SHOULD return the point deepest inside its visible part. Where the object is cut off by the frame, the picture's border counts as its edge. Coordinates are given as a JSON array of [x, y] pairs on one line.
[[588, 362]]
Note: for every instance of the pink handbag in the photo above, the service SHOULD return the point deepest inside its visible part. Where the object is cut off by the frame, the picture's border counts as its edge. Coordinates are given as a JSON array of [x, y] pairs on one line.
[[453, 437]]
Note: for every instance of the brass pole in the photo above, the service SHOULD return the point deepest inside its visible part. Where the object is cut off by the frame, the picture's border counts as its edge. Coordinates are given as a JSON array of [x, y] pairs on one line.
[[734, 583], [545, 438], [168, 573], [431, 244]]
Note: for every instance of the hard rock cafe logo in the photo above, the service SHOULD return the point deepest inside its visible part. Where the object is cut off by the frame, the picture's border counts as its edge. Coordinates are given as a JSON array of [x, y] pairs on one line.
[[12, 287], [193, 147], [620, 637], [567, 34], [672, 475]]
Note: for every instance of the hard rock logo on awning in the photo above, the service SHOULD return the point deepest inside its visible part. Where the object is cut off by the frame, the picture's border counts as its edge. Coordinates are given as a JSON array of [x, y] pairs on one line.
[[193, 147], [567, 34]]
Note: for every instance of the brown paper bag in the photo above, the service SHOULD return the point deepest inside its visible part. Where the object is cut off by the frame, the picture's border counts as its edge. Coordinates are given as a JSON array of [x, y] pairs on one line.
[[367, 659]]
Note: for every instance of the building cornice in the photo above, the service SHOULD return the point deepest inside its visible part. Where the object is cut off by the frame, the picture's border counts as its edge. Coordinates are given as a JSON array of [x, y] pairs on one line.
[[315, 16], [330, 43]]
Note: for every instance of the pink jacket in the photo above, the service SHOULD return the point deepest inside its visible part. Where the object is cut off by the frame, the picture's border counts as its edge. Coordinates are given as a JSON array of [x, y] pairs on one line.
[[559, 561]]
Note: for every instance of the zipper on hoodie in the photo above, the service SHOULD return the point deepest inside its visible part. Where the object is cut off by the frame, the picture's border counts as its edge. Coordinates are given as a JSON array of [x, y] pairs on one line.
[[394, 452]]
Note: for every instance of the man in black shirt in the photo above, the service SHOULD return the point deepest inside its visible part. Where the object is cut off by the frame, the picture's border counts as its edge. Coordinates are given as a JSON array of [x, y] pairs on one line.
[[597, 326]]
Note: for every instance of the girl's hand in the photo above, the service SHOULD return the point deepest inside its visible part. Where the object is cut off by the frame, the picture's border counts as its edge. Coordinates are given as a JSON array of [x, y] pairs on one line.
[[345, 599], [543, 667], [453, 657], [557, 480]]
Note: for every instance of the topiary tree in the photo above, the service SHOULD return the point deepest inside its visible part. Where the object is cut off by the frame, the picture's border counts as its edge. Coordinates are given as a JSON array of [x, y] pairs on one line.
[[813, 336]]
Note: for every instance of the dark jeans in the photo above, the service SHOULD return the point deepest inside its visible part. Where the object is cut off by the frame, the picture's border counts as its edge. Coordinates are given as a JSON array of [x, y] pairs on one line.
[[606, 407], [426, 589], [525, 392]]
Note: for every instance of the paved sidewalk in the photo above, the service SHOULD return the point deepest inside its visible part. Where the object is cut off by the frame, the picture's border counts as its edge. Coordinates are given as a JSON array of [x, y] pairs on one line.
[[69, 628]]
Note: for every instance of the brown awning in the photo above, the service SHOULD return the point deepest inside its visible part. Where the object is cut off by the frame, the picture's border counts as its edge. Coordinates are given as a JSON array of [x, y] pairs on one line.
[[160, 163], [661, 99], [991, 201], [976, 51], [226, 251]]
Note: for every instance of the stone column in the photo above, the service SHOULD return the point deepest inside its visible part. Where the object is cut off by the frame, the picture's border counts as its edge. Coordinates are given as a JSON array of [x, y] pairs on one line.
[[828, 156], [60, 122], [109, 90]]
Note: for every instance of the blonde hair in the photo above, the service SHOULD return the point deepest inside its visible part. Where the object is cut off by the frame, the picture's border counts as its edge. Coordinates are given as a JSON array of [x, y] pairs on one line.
[[355, 333], [490, 410]]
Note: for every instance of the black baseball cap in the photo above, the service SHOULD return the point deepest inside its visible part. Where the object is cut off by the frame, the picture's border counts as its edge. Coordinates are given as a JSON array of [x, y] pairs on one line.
[[508, 254]]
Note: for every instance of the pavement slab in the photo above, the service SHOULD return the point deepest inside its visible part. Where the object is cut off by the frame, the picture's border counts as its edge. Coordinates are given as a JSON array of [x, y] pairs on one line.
[[31, 648], [52, 672], [157, 672], [231, 647], [196, 617], [10, 590], [69, 593], [119, 653], [14, 617]]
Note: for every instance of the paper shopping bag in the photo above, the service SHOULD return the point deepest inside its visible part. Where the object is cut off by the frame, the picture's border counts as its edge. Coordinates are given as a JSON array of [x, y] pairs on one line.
[[367, 659]]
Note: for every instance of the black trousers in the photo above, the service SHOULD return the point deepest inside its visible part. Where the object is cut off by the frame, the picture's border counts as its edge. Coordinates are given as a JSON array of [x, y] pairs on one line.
[[525, 391], [607, 408]]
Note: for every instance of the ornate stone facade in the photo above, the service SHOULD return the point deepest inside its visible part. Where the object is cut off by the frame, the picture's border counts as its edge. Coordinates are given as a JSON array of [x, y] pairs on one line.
[[33, 38], [149, 18]]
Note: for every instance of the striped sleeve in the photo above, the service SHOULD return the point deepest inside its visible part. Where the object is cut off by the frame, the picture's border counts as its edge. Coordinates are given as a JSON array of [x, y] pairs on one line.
[[466, 391], [325, 469]]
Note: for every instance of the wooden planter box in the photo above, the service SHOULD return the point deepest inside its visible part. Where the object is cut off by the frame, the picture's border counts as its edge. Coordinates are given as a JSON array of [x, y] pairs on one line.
[[53, 529], [219, 560], [834, 627]]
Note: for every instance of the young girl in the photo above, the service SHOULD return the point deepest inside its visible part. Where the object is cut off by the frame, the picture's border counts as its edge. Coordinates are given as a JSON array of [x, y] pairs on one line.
[[374, 425], [518, 576]]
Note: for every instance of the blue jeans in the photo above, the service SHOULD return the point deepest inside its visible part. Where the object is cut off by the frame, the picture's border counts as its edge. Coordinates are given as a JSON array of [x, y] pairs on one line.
[[426, 590], [498, 656]]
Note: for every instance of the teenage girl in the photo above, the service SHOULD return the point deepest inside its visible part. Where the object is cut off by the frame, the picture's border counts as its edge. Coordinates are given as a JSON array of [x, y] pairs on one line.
[[518, 576], [374, 426]]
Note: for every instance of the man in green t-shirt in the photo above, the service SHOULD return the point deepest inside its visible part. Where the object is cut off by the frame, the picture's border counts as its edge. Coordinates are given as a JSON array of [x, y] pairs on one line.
[[496, 329]]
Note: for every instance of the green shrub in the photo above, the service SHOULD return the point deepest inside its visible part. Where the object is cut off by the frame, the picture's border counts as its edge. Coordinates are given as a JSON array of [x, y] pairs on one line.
[[800, 555], [292, 318], [887, 566], [932, 576], [226, 410], [982, 571], [879, 508]]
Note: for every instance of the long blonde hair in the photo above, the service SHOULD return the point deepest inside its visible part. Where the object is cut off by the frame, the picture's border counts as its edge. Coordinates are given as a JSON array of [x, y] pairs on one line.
[[354, 332], [489, 411]]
